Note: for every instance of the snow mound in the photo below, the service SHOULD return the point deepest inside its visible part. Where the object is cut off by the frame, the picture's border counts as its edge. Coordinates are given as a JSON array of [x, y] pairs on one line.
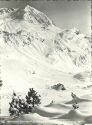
[[59, 106], [78, 100], [28, 117], [76, 115], [35, 119], [48, 112]]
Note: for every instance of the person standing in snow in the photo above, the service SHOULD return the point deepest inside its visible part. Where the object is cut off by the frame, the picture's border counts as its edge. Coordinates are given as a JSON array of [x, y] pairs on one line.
[[75, 104], [74, 97]]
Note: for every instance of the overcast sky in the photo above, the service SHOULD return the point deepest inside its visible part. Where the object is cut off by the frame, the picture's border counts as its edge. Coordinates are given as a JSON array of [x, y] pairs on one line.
[[65, 14]]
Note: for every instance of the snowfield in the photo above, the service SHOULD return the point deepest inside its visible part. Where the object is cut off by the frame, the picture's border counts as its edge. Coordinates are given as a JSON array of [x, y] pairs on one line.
[[36, 54]]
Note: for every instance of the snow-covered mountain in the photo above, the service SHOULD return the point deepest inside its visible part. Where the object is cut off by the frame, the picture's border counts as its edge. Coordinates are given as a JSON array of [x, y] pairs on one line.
[[36, 53], [76, 46], [30, 28]]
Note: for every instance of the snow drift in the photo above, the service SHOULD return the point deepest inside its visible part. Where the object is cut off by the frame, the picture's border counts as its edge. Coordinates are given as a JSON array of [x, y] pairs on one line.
[[77, 115], [78, 100]]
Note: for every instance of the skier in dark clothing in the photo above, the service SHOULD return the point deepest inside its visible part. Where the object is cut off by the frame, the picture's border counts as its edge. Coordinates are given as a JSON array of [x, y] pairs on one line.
[[75, 104], [74, 97]]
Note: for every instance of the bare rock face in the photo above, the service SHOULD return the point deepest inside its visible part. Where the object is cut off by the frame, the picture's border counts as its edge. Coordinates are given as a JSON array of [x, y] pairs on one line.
[[58, 86]]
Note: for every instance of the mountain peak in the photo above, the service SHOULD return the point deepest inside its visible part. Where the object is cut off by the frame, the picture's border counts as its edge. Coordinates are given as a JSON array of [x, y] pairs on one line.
[[29, 8], [6, 11], [40, 17], [28, 14]]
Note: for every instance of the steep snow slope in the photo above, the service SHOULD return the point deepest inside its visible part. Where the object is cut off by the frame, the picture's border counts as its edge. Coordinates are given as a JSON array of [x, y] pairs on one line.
[[32, 31], [75, 46]]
